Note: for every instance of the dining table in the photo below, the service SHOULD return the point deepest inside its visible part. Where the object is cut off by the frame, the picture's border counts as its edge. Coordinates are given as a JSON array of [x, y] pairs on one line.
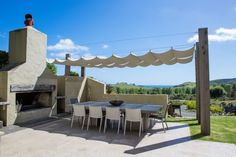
[[146, 109]]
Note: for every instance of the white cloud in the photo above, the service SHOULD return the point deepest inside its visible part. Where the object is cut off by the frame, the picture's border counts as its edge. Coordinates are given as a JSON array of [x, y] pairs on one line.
[[220, 35], [67, 45], [193, 39], [105, 46]]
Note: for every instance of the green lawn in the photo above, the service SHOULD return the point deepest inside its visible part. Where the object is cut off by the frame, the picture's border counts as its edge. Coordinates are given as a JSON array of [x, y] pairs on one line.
[[223, 128]]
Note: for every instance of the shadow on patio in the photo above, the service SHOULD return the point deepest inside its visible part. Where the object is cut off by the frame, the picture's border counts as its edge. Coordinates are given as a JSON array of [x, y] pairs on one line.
[[154, 138], [62, 126]]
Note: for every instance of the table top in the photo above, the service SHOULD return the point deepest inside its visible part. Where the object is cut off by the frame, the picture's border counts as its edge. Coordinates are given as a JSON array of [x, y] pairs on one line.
[[145, 108]]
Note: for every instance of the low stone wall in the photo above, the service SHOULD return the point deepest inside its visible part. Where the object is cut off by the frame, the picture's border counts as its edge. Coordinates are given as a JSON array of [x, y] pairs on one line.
[[93, 90], [159, 99], [97, 92]]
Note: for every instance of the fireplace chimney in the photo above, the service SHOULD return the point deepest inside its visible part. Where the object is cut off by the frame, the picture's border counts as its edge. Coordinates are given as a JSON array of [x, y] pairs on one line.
[[27, 45], [29, 20]]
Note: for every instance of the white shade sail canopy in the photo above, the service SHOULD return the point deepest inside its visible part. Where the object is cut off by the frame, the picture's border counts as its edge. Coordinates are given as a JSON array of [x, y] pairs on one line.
[[170, 57]]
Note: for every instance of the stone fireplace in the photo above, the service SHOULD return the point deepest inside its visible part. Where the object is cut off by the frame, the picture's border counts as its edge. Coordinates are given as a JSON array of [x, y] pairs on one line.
[[32, 100], [26, 83]]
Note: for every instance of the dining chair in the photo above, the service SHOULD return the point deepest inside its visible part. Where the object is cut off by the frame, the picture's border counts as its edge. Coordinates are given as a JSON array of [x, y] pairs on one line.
[[96, 113], [78, 111], [133, 115], [113, 114], [161, 116]]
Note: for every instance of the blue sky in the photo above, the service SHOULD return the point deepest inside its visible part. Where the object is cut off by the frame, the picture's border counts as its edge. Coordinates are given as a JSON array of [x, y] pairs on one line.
[[86, 28]]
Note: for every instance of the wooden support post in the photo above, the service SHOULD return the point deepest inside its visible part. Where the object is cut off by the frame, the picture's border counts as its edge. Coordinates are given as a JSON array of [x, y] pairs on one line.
[[82, 71], [204, 81], [197, 89], [67, 67]]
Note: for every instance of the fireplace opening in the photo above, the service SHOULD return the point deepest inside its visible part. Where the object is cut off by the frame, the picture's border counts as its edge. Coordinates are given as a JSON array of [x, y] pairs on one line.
[[33, 100]]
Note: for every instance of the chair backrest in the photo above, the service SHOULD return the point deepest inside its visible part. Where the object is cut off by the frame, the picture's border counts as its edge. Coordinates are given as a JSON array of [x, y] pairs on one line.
[[79, 110], [113, 113], [133, 115], [95, 111], [74, 101], [164, 111]]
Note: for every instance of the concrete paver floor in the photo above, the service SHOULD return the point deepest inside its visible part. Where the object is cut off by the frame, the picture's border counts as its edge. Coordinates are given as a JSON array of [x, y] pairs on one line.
[[57, 139]]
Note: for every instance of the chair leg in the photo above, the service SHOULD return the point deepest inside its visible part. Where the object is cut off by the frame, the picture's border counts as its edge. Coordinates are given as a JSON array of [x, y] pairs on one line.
[[166, 125], [105, 125], [88, 123], [130, 126], [125, 127], [163, 125], [118, 127], [122, 122], [83, 123], [100, 125], [140, 128], [72, 120]]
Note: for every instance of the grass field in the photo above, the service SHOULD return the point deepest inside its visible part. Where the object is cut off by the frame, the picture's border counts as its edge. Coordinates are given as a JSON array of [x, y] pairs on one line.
[[223, 128]]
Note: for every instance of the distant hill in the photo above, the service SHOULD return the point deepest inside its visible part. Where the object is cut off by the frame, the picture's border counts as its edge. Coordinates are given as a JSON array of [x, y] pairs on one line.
[[223, 81], [186, 84], [125, 85], [212, 82]]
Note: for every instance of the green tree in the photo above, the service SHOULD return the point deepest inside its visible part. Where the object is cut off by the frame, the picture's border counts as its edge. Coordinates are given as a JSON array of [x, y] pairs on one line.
[[73, 73], [228, 89], [234, 87], [188, 90], [118, 90], [217, 92], [3, 59], [109, 88], [52, 67]]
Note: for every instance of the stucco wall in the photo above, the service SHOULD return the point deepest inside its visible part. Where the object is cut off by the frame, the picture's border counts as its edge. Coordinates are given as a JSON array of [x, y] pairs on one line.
[[97, 92], [61, 85], [73, 85], [3, 95], [96, 89], [159, 99]]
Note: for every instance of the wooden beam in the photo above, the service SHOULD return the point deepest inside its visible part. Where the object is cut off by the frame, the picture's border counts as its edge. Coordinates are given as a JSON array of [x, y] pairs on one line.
[[197, 89], [67, 67], [204, 81], [82, 71]]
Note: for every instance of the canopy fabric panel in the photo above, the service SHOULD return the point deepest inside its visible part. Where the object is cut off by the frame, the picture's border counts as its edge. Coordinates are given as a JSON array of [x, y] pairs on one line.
[[170, 57]]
